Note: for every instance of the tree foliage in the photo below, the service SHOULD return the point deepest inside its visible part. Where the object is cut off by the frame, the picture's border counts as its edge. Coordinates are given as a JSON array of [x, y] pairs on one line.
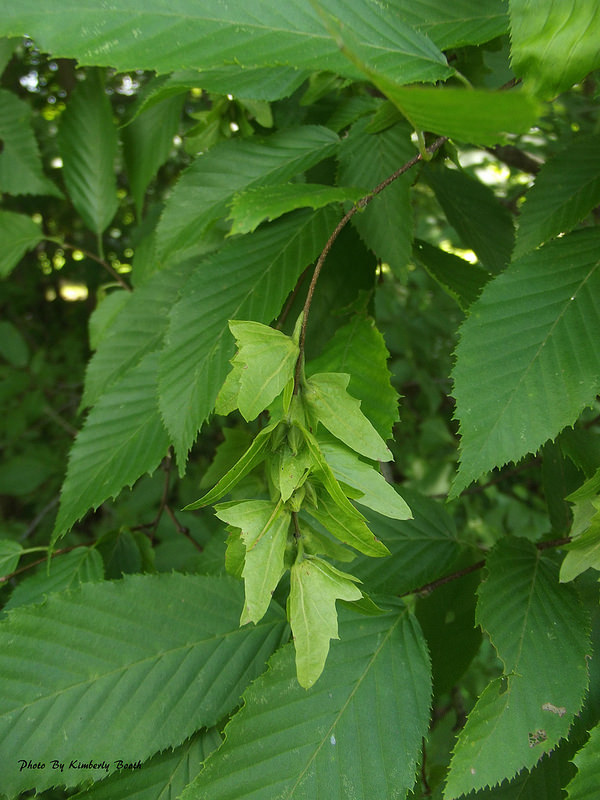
[[300, 486]]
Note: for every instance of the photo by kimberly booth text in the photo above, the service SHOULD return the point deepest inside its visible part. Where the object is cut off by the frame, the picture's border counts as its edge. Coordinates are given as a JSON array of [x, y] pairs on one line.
[[75, 763]]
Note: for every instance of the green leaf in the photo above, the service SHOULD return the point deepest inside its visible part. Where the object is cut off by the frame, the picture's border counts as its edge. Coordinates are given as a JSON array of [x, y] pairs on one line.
[[264, 527], [122, 438], [102, 316], [253, 456], [358, 348], [249, 279], [137, 328], [526, 354], [463, 22], [366, 709], [7, 47], [314, 588], [584, 551], [88, 143], [460, 279], [266, 359], [541, 633], [534, 45], [366, 159], [251, 207], [482, 222], [147, 143], [206, 189], [469, 115], [196, 34], [290, 469], [566, 189], [372, 489], [84, 564], [585, 784], [10, 554], [13, 347], [421, 549], [20, 165], [329, 403], [165, 774], [95, 676], [235, 443], [18, 233]]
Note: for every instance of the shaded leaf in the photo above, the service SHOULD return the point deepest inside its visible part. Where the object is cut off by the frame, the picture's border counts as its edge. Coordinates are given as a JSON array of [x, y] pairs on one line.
[[366, 709], [18, 234], [584, 785], [88, 144], [541, 633], [10, 554], [584, 551], [347, 526], [13, 347], [460, 279], [526, 353], [97, 676]]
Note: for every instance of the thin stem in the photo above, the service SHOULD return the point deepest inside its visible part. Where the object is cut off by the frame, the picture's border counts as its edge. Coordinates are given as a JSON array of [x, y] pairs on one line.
[[53, 554], [108, 267], [362, 203]]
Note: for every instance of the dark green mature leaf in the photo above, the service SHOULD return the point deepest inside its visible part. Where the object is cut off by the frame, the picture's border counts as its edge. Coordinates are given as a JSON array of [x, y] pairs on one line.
[[366, 159], [10, 554], [147, 143], [481, 221], [162, 647], [20, 164], [526, 353], [138, 328], [88, 143], [541, 633], [249, 279], [571, 32], [460, 279], [7, 47], [205, 190], [358, 348], [18, 234], [584, 785], [122, 438], [566, 189], [197, 34], [356, 733], [463, 22], [253, 206], [163, 776]]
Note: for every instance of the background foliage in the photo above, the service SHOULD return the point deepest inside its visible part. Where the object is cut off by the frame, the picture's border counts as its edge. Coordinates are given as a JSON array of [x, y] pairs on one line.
[[165, 170]]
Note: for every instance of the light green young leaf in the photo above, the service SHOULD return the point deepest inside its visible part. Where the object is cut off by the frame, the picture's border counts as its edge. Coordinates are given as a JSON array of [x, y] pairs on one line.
[[526, 354], [18, 234], [541, 633], [317, 543], [122, 438], [264, 529], [165, 774], [88, 144], [584, 551], [20, 165], [96, 676], [292, 468], [566, 189], [263, 365], [584, 785], [249, 278], [10, 553], [251, 207], [372, 489], [346, 526], [462, 280], [315, 587], [571, 31], [358, 348], [253, 456], [329, 403], [290, 742]]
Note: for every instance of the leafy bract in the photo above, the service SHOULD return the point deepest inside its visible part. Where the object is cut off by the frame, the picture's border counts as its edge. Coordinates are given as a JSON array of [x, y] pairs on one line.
[[536, 40], [566, 189], [265, 360], [585, 784], [339, 739], [250, 208], [459, 278], [18, 234], [97, 676], [20, 165], [315, 587], [541, 633], [122, 438], [358, 348], [329, 402], [526, 353], [366, 159], [88, 145], [247, 279]]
